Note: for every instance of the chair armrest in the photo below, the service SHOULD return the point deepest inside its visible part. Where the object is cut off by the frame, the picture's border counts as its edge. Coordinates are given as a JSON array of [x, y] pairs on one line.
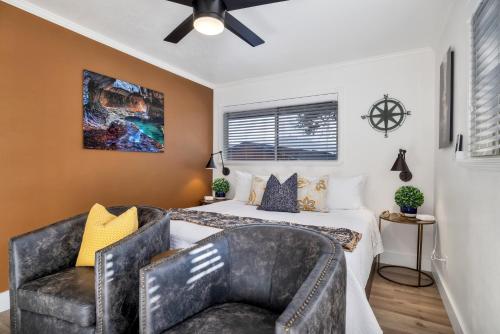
[[117, 275], [45, 251], [40, 253], [319, 306], [184, 284]]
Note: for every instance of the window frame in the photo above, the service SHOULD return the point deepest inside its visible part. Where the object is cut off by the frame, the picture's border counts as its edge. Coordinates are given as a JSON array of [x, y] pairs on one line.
[[471, 94], [488, 163], [282, 102]]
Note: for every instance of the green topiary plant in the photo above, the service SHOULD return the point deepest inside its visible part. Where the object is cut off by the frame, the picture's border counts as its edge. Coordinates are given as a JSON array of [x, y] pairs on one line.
[[220, 187], [409, 197]]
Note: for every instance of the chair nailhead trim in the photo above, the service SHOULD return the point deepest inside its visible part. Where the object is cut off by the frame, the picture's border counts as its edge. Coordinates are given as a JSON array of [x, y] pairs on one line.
[[299, 312], [100, 311], [142, 301]]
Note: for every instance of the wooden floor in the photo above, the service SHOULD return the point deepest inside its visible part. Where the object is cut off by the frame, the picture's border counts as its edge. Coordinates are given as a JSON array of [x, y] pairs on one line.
[[4, 322], [398, 309]]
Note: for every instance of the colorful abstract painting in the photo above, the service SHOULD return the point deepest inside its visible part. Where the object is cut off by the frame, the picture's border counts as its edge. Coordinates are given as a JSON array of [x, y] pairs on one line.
[[118, 115]]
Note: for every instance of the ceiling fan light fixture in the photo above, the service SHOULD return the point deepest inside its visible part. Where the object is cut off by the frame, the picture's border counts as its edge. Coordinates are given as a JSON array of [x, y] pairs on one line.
[[212, 17], [208, 25]]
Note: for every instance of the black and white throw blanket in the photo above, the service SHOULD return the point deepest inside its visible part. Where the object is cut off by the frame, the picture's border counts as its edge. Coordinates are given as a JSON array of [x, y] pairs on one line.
[[346, 237]]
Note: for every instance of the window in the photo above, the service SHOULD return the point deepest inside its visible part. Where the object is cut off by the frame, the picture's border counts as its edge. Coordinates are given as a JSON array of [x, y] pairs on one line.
[[301, 132], [485, 88]]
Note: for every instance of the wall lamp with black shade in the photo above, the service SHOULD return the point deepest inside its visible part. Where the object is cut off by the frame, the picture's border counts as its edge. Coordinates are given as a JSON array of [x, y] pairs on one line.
[[401, 166], [211, 163]]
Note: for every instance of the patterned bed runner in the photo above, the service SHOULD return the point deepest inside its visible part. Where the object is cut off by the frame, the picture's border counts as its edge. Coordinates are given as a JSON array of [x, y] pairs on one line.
[[347, 238]]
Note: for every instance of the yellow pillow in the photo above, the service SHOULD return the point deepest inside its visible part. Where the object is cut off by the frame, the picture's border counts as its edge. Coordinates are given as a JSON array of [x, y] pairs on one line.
[[103, 229]]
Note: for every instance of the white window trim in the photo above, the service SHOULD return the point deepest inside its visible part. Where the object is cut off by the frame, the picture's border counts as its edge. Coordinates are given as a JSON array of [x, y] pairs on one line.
[[301, 163], [480, 163]]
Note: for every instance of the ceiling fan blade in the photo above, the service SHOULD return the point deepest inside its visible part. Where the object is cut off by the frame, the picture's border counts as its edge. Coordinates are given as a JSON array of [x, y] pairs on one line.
[[239, 4], [181, 31], [183, 2], [240, 30]]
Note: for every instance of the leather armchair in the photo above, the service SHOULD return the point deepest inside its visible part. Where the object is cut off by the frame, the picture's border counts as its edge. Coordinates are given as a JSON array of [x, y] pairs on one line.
[[249, 279], [49, 295]]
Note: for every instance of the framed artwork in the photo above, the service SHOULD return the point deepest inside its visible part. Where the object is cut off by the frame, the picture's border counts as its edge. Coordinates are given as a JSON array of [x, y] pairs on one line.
[[446, 100], [122, 116]]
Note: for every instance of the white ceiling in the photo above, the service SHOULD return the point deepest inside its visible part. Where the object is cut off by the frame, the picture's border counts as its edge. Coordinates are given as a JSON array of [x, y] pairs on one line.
[[298, 33]]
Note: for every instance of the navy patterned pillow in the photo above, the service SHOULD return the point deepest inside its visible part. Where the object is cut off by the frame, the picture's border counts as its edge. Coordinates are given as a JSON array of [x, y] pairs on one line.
[[280, 197]]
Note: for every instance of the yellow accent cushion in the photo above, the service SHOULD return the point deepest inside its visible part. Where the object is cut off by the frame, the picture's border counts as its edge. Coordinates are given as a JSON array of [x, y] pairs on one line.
[[103, 229]]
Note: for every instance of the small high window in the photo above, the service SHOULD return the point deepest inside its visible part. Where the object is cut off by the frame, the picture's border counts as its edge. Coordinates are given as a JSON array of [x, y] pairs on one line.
[[300, 132]]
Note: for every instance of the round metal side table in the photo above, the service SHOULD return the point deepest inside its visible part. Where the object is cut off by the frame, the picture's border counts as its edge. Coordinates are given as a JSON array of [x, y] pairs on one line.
[[400, 219]]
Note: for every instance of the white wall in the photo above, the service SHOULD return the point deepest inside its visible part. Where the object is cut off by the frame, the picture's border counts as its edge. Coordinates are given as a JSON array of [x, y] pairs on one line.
[[467, 201], [407, 76]]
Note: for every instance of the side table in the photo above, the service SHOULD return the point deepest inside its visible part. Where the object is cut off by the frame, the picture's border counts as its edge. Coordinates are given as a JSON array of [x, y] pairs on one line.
[[400, 219]]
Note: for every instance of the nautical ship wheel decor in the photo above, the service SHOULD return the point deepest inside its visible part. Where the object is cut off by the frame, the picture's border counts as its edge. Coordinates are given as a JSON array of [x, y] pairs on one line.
[[386, 115]]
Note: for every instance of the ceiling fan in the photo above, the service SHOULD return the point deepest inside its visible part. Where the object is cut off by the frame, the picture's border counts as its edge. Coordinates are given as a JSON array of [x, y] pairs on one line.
[[211, 16]]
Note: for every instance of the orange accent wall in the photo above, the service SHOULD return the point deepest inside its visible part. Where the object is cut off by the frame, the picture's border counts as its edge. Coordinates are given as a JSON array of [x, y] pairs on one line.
[[45, 174]]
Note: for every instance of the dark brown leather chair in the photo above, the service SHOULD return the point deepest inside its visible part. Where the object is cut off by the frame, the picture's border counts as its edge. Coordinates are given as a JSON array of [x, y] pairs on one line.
[[49, 295]]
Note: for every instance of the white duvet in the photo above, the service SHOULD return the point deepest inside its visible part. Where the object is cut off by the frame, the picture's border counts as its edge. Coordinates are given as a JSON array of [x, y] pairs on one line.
[[360, 318]]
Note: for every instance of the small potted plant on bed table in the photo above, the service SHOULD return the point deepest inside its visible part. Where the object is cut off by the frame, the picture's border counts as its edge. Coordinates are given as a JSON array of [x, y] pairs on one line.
[[409, 198], [220, 186]]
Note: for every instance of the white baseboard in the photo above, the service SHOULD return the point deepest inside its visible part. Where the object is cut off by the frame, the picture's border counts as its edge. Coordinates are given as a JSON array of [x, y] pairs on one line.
[[402, 259], [4, 301], [456, 320]]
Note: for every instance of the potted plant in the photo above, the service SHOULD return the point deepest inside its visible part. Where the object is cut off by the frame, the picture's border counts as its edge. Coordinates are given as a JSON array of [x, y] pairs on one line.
[[220, 187], [409, 198]]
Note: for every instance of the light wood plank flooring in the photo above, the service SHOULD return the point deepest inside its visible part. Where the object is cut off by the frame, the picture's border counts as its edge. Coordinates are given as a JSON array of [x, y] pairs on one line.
[[399, 309], [4, 322], [407, 310]]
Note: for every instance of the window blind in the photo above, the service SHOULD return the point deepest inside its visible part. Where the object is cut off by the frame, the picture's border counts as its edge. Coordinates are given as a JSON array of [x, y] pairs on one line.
[[301, 132], [485, 117]]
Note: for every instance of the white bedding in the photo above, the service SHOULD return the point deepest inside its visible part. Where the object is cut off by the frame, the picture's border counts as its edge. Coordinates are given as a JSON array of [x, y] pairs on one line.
[[360, 317]]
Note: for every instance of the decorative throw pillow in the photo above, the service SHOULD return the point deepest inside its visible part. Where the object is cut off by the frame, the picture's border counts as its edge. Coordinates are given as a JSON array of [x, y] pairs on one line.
[[257, 190], [281, 197], [312, 193], [103, 229]]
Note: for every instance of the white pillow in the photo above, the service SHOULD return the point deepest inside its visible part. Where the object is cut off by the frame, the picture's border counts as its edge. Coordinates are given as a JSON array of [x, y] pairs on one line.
[[243, 185], [346, 193]]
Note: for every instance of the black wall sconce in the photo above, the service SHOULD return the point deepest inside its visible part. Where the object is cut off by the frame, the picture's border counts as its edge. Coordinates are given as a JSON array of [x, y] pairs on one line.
[[211, 163], [401, 166]]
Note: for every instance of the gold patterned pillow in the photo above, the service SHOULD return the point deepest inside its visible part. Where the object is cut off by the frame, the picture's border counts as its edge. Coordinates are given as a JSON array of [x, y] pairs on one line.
[[312, 193], [257, 189]]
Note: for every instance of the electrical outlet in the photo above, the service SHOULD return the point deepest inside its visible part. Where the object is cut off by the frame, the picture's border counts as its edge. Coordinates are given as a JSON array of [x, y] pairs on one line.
[[439, 261]]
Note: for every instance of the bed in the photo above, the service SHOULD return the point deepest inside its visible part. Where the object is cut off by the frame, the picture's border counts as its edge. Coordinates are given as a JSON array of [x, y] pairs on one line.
[[360, 317]]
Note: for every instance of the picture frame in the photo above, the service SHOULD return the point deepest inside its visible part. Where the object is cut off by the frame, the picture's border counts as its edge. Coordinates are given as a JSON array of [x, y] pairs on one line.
[[121, 116], [446, 94]]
